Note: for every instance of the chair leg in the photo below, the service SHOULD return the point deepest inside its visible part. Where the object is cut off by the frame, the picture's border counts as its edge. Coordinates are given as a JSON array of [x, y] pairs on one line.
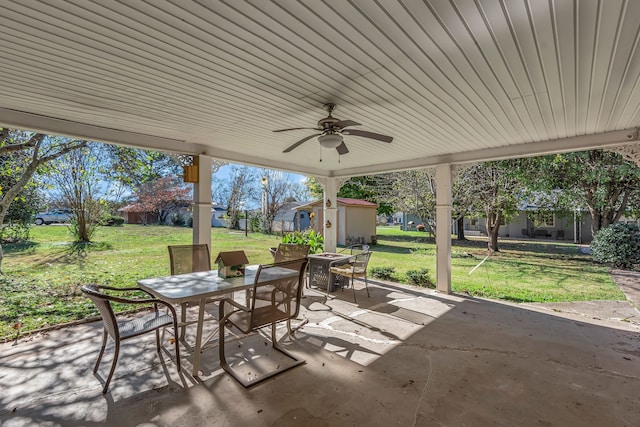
[[113, 368], [274, 343], [158, 340], [177, 344], [223, 359], [104, 344], [353, 288], [246, 383], [183, 320], [366, 285]]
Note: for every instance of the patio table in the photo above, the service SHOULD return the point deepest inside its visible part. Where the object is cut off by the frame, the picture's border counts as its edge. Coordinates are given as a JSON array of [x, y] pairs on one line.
[[203, 285], [320, 275]]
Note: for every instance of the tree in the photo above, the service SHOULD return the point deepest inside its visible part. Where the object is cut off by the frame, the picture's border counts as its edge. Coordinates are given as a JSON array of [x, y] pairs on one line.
[[413, 192], [276, 190], [77, 176], [372, 188], [132, 167], [314, 187], [463, 196], [602, 180], [237, 190], [496, 193], [22, 210], [22, 154], [162, 195]]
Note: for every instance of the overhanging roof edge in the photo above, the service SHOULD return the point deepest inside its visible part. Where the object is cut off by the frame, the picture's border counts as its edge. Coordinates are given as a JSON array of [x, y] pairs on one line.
[[539, 148]]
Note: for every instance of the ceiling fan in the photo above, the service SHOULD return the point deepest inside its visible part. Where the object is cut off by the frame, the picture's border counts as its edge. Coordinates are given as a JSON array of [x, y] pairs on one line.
[[331, 131]]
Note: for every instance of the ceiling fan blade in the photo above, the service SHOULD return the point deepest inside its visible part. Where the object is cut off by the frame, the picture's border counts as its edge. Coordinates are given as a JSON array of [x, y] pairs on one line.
[[344, 123], [366, 134], [305, 139], [342, 148], [285, 130]]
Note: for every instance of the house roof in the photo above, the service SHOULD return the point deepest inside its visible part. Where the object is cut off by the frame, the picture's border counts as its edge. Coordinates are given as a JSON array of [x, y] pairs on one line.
[[287, 213], [451, 82], [135, 207]]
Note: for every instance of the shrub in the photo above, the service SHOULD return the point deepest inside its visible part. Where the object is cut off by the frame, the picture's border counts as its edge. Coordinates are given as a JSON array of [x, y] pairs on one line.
[[177, 220], [617, 245], [255, 223], [12, 233], [384, 273], [111, 220], [308, 237], [420, 278]]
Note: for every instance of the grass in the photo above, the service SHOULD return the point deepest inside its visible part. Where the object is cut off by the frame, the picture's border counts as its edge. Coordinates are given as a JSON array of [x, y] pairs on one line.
[[523, 271], [43, 276]]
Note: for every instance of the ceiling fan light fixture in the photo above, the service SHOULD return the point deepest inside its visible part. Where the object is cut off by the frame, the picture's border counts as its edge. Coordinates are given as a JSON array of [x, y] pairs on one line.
[[330, 140]]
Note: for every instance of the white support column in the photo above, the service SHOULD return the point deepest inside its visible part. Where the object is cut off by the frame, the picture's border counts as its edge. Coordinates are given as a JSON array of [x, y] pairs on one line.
[[330, 214], [202, 203], [443, 228]]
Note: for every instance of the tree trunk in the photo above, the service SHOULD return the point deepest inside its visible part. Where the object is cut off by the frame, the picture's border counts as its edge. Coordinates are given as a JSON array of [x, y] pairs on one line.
[[493, 227], [461, 228], [596, 219]]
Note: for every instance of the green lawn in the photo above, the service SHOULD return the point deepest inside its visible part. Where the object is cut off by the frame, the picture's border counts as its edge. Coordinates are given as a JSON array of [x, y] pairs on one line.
[[42, 277]]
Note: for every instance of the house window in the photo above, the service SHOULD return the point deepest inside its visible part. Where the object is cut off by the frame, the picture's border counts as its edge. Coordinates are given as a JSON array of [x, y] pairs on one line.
[[545, 219]]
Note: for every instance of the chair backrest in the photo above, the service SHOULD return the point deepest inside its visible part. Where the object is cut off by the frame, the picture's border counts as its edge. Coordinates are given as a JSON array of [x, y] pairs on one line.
[[189, 258], [361, 261], [358, 249], [285, 293], [102, 302], [290, 251]]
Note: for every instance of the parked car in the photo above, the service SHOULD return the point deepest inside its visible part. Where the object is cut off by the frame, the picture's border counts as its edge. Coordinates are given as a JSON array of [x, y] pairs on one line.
[[55, 215]]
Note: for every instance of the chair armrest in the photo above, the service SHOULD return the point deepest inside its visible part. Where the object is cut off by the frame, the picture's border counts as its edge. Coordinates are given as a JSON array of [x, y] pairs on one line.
[[153, 301], [112, 288], [238, 306], [342, 261]]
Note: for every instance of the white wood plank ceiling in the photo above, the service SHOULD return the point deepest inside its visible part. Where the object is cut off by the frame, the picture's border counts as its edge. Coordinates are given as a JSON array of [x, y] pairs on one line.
[[450, 80]]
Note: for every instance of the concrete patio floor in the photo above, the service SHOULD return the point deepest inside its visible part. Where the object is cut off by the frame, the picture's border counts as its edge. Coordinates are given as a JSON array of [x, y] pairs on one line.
[[404, 356]]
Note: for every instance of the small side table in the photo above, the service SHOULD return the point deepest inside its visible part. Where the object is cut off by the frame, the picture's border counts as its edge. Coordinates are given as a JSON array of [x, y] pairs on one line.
[[319, 274]]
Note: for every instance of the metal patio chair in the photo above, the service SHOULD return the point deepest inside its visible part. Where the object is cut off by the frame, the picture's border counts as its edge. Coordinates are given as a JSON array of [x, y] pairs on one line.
[[353, 268], [188, 259], [355, 249], [290, 251], [120, 330], [283, 305]]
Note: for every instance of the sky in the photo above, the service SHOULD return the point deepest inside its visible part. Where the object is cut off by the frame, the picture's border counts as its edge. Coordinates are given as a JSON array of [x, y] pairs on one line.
[[222, 175], [224, 171]]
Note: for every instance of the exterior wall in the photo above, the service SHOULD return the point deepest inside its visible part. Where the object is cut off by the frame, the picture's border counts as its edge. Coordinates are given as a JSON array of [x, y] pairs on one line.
[[515, 227], [562, 229], [318, 222], [139, 218], [217, 218], [342, 224], [360, 223], [301, 220], [407, 219]]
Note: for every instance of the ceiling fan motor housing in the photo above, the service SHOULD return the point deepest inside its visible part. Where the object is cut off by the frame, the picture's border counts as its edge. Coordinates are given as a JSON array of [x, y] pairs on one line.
[[327, 124], [331, 131]]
